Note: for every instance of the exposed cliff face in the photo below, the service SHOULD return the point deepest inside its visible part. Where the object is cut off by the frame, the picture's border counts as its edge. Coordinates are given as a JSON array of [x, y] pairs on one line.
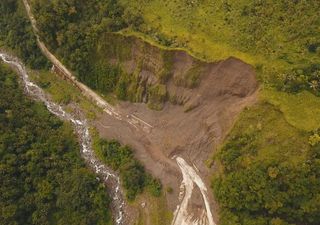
[[154, 76], [207, 98]]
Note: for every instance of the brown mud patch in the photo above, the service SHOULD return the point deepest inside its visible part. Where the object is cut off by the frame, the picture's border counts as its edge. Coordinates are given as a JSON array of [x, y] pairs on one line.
[[226, 88]]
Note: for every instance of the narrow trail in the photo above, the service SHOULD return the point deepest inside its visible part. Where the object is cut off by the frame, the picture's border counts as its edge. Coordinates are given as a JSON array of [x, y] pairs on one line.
[[81, 127], [133, 120], [190, 176]]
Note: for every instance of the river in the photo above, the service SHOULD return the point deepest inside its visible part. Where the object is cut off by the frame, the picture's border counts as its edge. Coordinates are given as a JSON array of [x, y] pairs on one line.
[[109, 177]]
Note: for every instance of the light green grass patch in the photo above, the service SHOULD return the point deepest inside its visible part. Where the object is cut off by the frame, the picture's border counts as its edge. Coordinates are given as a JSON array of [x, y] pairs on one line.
[[62, 91], [154, 212], [272, 138], [301, 110], [199, 46], [259, 33]]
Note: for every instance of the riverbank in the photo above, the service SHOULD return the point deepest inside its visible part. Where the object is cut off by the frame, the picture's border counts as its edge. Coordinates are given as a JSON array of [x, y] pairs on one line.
[[81, 127], [72, 99]]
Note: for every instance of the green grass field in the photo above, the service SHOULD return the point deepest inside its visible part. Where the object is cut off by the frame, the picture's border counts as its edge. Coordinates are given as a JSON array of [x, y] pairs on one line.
[[258, 33], [263, 34], [301, 110], [276, 37]]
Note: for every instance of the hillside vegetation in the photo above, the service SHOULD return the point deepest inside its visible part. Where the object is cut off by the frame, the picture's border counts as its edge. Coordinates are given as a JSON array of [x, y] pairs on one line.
[[83, 36], [43, 177], [269, 164], [269, 176], [269, 171], [16, 34], [281, 38], [133, 175]]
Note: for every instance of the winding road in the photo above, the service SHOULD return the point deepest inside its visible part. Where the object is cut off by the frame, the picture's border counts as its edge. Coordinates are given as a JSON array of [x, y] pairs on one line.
[[190, 177]]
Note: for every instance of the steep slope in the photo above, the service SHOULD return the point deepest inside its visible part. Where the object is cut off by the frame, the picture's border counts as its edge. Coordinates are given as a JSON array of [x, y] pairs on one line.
[[202, 104], [139, 71], [152, 75]]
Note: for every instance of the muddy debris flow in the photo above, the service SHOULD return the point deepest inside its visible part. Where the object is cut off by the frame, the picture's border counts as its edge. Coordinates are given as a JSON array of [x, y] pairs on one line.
[[190, 177], [109, 177], [130, 124]]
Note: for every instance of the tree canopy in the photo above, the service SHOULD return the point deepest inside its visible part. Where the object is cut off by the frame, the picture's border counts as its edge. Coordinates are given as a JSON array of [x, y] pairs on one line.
[[134, 177], [43, 179], [16, 33], [268, 177]]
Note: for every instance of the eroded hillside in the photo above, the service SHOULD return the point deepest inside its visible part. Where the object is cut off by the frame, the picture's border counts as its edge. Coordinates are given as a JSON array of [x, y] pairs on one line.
[[154, 76], [270, 156], [191, 130]]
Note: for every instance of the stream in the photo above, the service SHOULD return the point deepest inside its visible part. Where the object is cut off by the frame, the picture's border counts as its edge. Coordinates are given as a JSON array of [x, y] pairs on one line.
[[82, 129]]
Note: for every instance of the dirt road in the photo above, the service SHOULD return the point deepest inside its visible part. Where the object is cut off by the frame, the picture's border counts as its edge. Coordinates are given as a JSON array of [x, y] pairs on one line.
[[99, 101]]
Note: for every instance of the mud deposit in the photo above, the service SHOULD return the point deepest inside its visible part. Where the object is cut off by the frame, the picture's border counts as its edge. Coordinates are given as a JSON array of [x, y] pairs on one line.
[[190, 135]]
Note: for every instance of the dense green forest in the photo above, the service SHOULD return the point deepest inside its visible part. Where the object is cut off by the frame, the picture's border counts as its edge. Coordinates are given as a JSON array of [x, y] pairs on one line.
[[268, 177], [16, 33], [72, 29], [43, 178]]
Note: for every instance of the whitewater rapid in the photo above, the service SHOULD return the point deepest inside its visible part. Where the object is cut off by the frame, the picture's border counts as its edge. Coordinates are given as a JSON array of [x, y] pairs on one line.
[[82, 129]]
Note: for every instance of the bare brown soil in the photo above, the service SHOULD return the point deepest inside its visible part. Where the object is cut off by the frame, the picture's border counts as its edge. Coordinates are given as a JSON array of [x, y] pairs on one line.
[[225, 89]]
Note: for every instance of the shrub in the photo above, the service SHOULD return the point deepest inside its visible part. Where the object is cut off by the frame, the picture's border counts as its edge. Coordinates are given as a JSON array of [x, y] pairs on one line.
[[133, 175]]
